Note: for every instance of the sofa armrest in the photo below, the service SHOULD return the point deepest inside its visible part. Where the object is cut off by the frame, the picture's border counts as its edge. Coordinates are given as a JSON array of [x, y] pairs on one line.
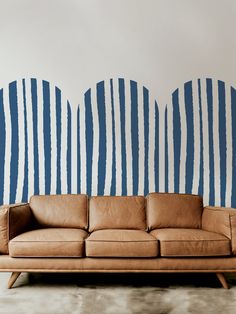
[[14, 219], [20, 219], [221, 220]]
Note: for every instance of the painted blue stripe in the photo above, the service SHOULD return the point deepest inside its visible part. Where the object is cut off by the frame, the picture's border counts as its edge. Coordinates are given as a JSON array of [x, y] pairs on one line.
[[134, 135], [188, 99], [123, 132], [156, 150], [166, 154], [26, 181], [200, 186], [233, 110], [113, 179], [222, 140], [78, 153], [89, 139], [34, 97], [211, 143], [102, 138], [2, 146], [176, 138], [146, 139], [58, 132], [47, 136], [68, 157], [15, 140]]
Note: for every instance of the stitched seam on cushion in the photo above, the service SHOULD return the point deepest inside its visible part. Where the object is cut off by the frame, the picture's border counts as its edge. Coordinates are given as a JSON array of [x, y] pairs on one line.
[[221, 209], [231, 244], [156, 194], [117, 196], [147, 213], [5, 238], [46, 256], [194, 240], [119, 256], [8, 225], [15, 241], [154, 241], [18, 205], [102, 270], [228, 254], [214, 208], [87, 212], [13, 205]]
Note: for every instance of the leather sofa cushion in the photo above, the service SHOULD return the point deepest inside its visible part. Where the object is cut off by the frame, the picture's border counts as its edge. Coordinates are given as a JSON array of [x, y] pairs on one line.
[[170, 210], [117, 212], [121, 243], [50, 242], [191, 242], [60, 211]]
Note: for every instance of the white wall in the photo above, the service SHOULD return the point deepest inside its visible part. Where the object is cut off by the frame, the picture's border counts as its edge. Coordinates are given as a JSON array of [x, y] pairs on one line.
[[159, 43]]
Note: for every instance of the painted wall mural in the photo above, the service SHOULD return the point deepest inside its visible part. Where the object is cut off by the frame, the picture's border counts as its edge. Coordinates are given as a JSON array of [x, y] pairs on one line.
[[119, 141]]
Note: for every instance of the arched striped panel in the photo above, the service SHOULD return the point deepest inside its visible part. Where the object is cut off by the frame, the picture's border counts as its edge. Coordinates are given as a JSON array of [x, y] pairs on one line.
[[35, 137], [204, 124], [116, 123], [118, 141]]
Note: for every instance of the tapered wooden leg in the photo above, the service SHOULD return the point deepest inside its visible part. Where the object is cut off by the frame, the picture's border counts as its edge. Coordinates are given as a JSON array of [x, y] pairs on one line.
[[12, 279], [222, 279]]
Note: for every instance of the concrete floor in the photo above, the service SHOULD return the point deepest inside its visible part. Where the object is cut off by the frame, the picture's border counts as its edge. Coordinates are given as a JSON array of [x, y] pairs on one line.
[[116, 293]]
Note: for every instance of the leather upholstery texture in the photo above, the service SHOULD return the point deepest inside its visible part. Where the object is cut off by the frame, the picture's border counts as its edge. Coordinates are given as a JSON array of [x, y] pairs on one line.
[[99, 264], [20, 219], [14, 219], [191, 242], [4, 232], [50, 242], [121, 243], [171, 210], [221, 220], [60, 211], [182, 236], [117, 212]]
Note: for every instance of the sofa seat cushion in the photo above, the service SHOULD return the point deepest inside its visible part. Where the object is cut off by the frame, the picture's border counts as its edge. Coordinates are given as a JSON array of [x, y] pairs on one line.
[[121, 243], [49, 242], [191, 242]]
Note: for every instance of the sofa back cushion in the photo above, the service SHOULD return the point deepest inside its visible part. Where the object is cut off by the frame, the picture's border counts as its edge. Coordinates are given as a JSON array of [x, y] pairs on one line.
[[171, 210], [60, 211], [117, 212]]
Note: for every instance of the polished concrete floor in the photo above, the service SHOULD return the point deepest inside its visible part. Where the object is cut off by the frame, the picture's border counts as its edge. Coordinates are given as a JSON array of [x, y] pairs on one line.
[[116, 294]]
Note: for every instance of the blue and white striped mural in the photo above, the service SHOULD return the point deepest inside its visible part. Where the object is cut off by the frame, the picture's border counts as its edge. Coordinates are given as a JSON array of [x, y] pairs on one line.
[[119, 141]]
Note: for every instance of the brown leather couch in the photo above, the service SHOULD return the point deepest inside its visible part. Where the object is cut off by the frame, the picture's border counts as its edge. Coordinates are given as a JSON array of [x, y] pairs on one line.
[[160, 233]]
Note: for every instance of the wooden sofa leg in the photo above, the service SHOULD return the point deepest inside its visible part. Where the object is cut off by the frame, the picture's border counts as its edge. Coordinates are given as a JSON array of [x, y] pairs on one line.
[[222, 279], [13, 279]]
